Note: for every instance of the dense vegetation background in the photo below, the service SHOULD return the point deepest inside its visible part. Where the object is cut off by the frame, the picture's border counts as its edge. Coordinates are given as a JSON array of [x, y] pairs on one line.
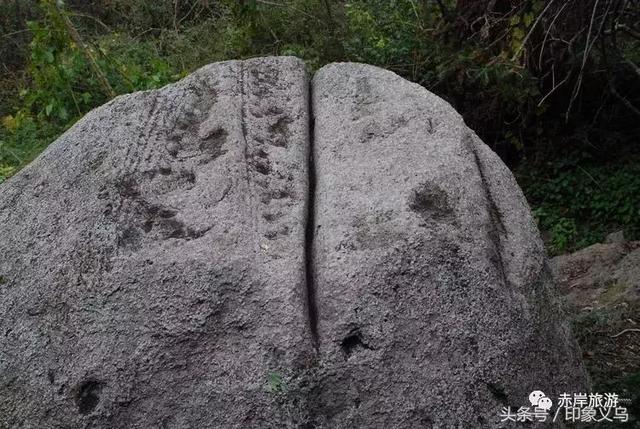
[[552, 85]]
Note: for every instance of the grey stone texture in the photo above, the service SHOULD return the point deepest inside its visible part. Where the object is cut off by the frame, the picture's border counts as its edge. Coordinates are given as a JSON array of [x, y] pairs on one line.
[[179, 259], [602, 276], [435, 302], [151, 258]]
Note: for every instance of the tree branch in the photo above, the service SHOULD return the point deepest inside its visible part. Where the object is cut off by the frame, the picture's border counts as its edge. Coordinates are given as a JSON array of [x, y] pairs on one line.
[[73, 33]]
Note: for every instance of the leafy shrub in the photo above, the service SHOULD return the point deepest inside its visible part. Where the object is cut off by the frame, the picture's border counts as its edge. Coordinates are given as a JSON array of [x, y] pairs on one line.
[[22, 138], [62, 87], [578, 205]]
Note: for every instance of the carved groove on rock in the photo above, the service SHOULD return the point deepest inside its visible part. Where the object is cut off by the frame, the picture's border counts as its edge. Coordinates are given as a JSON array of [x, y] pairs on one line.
[[310, 230], [249, 248], [497, 229]]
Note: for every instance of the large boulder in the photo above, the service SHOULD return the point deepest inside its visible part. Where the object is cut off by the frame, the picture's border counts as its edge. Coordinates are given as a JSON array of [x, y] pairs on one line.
[[153, 258], [435, 303], [174, 260]]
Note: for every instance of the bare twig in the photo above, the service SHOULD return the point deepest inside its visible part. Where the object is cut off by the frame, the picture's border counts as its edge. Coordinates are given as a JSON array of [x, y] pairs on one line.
[[631, 64], [188, 13], [270, 3], [589, 175], [587, 50], [623, 100], [93, 18], [554, 87], [625, 331], [444, 11], [549, 31], [630, 31], [175, 15], [13, 33], [329, 13], [526, 38], [10, 152], [73, 33]]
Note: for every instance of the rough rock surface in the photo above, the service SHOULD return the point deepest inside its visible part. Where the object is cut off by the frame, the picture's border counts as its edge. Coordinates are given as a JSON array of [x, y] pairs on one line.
[[168, 263], [152, 258], [601, 275], [435, 304]]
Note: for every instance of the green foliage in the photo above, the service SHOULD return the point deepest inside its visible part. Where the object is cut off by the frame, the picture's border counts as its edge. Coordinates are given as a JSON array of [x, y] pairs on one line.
[[305, 28], [585, 324], [22, 138], [5, 172], [275, 383], [382, 32], [579, 205], [209, 41], [62, 86], [495, 92], [630, 389]]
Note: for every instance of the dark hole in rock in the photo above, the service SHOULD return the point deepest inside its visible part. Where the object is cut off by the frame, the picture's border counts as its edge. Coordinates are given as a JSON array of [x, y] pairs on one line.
[[431, 203], [152, 209], [166, 213], [147, 226], [278, 194], [423, 417], [280, 132], [189, 176], [270, 217], [88, 396], [175, 228], [128, 188], [263, 167], [352, 342], [212, 144], [128, 237], [192, 234], [281, 126], [498, 393]]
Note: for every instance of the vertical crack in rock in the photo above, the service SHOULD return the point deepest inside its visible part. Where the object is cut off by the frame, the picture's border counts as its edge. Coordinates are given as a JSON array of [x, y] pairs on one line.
[[497, 229], [245, 140], [243, 124], [310, 230]]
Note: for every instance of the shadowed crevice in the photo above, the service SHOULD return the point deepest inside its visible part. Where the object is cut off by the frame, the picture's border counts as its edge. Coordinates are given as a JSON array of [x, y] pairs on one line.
[[243, 119], [497, 229], [312, 310]]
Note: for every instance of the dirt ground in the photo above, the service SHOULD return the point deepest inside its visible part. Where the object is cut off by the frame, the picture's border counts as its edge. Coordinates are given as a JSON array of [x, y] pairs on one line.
[[601, 286]]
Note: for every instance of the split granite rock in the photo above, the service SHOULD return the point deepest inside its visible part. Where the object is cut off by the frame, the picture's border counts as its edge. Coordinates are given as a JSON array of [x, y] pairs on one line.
[[435, 303], [152, 258], [175, 260]]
